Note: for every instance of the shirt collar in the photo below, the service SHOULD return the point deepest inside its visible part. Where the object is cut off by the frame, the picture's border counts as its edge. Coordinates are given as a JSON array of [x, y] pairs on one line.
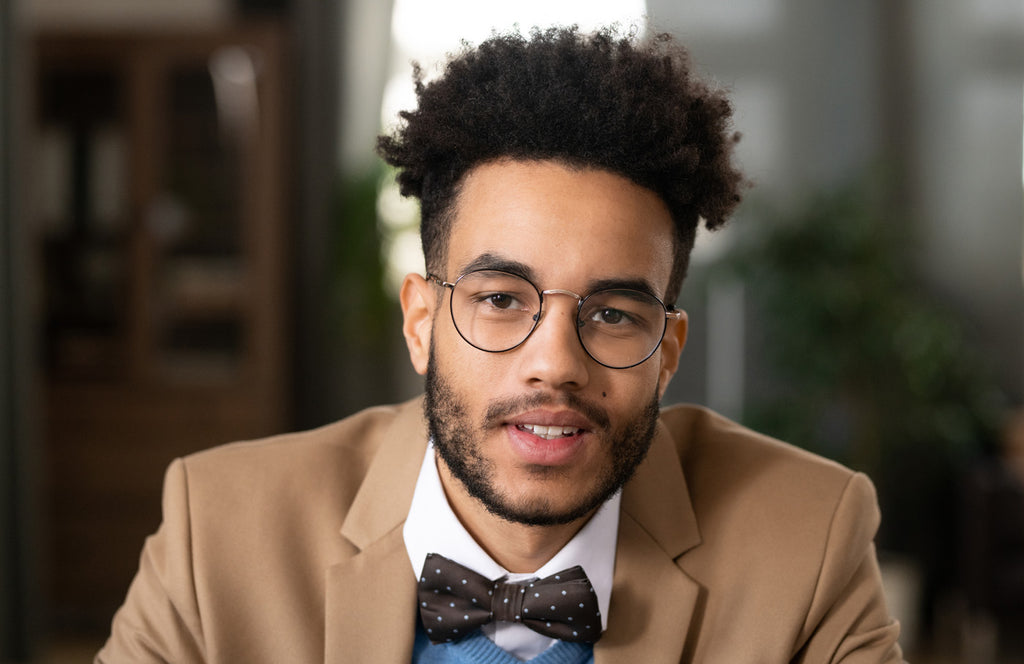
[[432, 527]]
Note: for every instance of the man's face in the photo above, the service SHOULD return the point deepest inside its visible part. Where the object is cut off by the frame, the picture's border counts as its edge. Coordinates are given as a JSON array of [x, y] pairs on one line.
[[543, 434]]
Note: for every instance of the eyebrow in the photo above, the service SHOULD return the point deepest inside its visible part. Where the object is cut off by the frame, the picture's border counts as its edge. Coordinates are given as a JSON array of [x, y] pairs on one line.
[[493, 261], [634, 283]]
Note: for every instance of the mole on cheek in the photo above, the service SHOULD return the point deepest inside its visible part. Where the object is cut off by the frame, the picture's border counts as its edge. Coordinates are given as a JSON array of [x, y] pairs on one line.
[[604, 394]]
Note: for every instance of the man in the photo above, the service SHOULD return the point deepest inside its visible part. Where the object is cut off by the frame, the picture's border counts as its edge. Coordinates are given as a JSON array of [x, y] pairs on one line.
[[561, 179]]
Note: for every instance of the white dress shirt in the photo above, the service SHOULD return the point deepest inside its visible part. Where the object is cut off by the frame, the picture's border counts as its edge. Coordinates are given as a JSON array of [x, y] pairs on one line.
[[432, 527]]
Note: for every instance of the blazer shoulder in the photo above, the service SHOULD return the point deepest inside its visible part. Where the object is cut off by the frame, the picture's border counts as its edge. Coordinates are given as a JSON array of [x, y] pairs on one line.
[[731, 467], [785, 544], [357, 436], [334, 458], [704, 439]]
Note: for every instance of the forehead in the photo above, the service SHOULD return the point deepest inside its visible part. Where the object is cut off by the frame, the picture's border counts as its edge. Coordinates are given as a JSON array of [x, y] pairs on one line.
[[570, 226]]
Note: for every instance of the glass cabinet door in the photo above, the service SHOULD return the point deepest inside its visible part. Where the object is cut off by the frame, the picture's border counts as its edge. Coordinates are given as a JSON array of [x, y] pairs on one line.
[[80, 200], [194, 221], [152, 205]]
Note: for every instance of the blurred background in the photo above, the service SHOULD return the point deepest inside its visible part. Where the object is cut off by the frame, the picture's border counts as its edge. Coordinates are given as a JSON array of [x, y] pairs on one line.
[[198, 245]]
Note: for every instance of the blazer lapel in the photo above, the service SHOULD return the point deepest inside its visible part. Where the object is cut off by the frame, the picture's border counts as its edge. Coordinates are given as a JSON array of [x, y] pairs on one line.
[[371, 598], [654, 603], [371, 605]]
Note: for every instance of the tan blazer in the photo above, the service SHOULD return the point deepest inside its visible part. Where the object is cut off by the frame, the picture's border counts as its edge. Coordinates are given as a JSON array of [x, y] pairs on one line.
[[733, 548]]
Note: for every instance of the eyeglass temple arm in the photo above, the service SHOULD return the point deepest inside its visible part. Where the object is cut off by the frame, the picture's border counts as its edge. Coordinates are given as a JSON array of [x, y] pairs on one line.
[[439, 281]]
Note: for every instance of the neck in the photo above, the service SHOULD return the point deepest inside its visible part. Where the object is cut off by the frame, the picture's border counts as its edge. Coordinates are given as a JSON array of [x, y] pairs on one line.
[[519, 548]]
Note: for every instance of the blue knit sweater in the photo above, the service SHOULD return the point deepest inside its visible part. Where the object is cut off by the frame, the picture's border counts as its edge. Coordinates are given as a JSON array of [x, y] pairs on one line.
[[478, 649]]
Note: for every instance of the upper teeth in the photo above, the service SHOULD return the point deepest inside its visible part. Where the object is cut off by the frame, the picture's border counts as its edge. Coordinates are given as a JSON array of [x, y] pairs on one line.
[[548, 433]]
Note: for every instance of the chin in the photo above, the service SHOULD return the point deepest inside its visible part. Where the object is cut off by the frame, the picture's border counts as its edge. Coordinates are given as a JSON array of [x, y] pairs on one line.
[[534, 506]]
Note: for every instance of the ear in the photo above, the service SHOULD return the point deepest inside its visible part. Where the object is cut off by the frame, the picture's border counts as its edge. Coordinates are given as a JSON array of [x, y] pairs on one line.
[[671, 348], [418, 300]]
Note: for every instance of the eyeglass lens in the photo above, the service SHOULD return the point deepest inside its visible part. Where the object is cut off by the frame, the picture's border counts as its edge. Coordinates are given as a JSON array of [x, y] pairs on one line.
[[496, 311]]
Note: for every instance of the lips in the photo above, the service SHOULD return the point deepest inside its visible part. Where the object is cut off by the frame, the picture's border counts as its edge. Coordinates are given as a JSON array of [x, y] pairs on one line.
[[549, 438]]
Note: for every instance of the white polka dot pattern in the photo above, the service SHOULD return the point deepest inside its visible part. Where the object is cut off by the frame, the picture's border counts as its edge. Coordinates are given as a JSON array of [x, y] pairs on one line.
[[455, 600]]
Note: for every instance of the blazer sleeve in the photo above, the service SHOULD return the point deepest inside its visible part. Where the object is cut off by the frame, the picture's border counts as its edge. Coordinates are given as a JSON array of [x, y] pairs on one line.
[[159, 620], [848, 620]]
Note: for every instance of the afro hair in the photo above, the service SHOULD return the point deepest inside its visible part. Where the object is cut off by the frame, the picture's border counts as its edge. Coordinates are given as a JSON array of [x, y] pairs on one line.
[[598, 100]]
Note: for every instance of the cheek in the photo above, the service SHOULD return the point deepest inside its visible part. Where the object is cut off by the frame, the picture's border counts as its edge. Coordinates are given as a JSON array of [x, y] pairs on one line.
[[637, 383], [627, 391], [472, 373], [446, 340]]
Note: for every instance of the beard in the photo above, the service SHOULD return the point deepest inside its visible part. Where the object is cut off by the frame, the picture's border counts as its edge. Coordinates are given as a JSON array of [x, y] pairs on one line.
[[460, 445]]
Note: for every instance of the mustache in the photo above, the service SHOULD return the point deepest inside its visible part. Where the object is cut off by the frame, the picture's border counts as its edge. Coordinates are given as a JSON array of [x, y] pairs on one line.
[[500, 410]]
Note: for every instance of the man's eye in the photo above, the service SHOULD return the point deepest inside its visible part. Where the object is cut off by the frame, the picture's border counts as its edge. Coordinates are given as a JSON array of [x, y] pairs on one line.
[[608, 316], [500, 300], [497, 301]]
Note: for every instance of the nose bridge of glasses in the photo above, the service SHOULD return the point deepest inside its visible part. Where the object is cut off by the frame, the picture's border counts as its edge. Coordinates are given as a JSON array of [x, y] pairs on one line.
[[559, 291]]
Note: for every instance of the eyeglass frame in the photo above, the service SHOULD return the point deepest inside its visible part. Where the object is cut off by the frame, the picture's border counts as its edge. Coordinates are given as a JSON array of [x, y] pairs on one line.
[[671, 313]]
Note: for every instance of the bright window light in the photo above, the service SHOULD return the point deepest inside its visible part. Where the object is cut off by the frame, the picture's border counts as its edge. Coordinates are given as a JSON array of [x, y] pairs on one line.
[[425, 28]]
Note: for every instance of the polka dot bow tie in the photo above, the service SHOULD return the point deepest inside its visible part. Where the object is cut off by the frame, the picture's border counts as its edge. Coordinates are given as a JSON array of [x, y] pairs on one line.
[[455, 600]]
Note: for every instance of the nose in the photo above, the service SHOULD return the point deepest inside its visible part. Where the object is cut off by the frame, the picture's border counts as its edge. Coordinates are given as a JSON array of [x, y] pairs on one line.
[[552, 356]]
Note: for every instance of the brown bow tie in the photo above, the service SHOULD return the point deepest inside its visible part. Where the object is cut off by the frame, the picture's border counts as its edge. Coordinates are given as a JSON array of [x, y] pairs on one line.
[[455, 600]]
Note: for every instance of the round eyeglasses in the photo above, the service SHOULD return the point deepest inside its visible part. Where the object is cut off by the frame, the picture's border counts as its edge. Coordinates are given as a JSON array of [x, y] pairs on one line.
[[496, 311]]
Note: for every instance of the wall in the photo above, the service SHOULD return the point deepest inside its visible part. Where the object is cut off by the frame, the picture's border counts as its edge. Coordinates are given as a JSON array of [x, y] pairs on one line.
[[968, 110], [17, 431], [930, 93], [107, 14]]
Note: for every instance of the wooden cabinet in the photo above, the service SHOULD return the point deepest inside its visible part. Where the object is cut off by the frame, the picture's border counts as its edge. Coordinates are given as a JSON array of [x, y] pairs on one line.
[[159, 179]]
